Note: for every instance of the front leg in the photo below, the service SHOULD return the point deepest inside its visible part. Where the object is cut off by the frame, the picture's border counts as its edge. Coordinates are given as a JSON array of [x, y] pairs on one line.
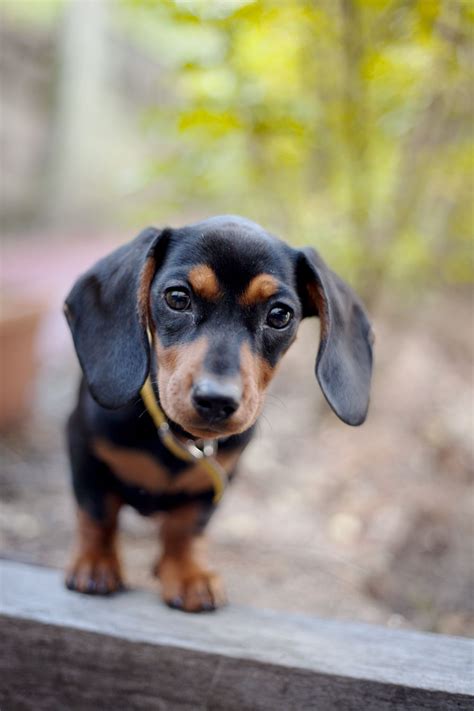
[[95, 569], [187, 583]]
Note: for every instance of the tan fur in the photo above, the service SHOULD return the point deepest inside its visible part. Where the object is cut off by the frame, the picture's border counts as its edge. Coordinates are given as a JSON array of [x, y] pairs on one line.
[[256, 374], [261, 288], [204, 282], [196, 479], [133, 466], [186, 580], [146, 277], [319, 300], [141, 469], [96, 561], [180, 366]]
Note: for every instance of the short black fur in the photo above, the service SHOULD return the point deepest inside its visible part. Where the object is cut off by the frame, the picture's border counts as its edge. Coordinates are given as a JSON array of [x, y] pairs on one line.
[[110, 336]]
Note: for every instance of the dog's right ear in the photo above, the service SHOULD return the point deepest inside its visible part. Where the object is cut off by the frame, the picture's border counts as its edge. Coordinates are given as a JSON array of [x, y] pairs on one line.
[[107, 313], [344, 360]]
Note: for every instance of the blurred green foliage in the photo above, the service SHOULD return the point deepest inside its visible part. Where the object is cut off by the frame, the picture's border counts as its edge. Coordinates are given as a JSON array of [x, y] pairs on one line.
[[346, 124], [341, 123]]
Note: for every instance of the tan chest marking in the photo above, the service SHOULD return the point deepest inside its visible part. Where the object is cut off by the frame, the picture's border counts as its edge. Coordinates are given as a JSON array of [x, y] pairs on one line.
[[133, 466], [141, 469], [196, 479]]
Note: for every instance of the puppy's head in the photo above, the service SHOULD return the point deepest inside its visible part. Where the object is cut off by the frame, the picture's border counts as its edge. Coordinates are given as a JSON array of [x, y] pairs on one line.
[[222, 300]]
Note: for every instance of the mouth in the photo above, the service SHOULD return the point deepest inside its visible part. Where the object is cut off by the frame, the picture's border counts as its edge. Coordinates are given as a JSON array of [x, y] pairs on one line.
[[208, 430], [200, 428]]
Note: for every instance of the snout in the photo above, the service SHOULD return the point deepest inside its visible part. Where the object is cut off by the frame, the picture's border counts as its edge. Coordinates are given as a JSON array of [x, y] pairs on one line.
[[216, 400]]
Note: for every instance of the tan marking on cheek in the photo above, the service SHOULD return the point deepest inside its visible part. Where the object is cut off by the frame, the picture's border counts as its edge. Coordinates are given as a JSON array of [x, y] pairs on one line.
[[261, 288], [265, 371], [204, 282], [167, 357], [188, 357], [255, 367], [256, 373], [178, 367], [146, 277], [132, 466]]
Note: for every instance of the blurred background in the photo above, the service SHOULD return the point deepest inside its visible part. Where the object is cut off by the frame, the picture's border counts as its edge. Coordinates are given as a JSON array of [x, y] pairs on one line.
[[344, 124]]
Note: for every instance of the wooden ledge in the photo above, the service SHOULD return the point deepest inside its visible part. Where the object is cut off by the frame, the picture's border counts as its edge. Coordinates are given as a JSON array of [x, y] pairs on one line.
[[64, 650]]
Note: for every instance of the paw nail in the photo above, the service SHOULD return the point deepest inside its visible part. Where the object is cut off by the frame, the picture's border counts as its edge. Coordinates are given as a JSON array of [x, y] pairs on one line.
[[176, 602]]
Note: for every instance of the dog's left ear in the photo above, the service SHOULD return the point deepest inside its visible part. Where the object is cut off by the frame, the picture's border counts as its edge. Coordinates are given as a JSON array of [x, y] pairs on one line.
[[107, 312], [344, 360]]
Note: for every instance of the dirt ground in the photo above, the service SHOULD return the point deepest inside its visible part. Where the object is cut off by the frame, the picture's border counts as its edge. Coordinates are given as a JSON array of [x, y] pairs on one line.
[[371, 524]]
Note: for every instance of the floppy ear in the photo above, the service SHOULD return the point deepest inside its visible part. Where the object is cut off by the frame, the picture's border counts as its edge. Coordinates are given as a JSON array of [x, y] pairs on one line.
[[107, 314], [344, 360]]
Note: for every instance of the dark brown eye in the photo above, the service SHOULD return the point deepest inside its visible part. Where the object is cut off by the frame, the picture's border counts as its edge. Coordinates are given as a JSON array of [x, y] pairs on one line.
[[177, 299], [279, 316]]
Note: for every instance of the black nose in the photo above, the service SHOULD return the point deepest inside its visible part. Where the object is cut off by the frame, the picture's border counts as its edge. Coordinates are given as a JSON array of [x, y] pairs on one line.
[[215, 401]]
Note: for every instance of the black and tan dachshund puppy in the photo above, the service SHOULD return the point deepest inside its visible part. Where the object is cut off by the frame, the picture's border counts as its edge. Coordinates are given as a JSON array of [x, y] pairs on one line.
[[203, 314]]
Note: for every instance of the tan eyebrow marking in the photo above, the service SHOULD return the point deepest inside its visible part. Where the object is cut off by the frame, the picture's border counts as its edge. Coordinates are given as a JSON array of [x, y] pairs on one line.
[[260, 289], [204, 282]]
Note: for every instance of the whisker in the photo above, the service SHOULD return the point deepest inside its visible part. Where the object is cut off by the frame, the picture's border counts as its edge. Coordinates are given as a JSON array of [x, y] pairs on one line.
[[277, 398], [265, 418]]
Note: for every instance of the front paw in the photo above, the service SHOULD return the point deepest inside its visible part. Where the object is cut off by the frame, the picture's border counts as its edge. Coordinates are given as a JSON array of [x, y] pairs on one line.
[[186, 586], [95, 573]]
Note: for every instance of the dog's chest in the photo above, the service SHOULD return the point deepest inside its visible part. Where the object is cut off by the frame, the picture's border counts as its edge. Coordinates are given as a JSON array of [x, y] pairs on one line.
[[142, 470]]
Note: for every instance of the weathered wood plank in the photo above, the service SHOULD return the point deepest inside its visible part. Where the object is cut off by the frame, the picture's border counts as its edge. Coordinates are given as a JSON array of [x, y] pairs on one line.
[[63, 650]]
